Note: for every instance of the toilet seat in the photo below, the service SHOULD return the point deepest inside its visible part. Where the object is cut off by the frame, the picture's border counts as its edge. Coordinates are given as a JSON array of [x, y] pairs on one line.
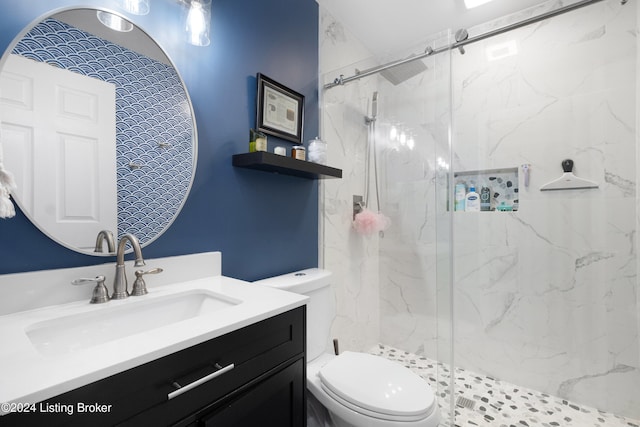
[[377, 387]]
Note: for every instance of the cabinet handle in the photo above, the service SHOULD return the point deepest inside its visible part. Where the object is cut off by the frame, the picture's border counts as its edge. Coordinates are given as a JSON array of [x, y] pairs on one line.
[[199, 382]]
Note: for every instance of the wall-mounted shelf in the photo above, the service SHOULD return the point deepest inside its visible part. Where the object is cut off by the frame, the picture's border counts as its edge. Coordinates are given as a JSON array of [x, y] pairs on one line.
[[269, 162]]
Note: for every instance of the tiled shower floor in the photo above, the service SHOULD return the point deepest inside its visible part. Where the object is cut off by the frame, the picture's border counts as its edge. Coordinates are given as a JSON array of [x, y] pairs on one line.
[[500, 404]]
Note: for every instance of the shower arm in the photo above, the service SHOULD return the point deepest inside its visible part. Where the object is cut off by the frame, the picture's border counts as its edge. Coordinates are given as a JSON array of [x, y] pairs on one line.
[[461, 43]]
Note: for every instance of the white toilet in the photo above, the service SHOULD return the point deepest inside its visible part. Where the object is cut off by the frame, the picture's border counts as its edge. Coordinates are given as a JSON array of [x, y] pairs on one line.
[[357, 389]]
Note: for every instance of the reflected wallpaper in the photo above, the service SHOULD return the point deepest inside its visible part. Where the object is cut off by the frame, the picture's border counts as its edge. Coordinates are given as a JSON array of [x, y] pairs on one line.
[[154, 130]]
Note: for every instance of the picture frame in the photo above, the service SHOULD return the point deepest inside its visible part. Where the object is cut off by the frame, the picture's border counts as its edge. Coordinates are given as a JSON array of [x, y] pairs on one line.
[[280, 110]]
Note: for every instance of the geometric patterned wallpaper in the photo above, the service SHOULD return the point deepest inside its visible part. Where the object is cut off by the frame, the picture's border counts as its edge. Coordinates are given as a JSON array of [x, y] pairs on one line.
[[154, 127]]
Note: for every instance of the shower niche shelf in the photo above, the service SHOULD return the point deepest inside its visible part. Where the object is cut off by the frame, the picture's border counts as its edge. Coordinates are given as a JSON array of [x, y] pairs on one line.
[[503, 185], [269, 162]]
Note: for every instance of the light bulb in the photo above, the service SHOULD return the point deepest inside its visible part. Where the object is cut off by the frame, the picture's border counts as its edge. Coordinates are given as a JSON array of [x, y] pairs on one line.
[[470, 4], [114, 22], [136, 7], [198, 21]]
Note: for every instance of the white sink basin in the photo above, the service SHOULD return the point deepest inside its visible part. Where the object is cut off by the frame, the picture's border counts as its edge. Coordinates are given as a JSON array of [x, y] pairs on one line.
[[54, 341], [119, 319]]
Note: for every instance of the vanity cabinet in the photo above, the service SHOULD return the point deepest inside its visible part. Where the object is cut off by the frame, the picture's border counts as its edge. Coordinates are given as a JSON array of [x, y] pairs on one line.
[[257, 373]]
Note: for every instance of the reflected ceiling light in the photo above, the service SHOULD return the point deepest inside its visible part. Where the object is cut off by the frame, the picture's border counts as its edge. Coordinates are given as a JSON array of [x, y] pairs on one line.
[[501, 50], [442, 164], [136, 7], [470, 4], [114, 22], [198, 22], [410, 143], [393, 133]]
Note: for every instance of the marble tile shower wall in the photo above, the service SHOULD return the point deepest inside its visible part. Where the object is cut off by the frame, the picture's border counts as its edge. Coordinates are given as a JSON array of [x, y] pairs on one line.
[[385, 287], [638, 163], [408, 251], [374, 277], [352, 258], [547, 297]]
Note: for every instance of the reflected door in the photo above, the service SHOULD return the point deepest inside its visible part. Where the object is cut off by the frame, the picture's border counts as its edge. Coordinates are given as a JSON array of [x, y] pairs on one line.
[[58, 128]]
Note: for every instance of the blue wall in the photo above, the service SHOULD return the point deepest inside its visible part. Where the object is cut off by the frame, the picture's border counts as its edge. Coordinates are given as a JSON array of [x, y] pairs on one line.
[[264, 224]]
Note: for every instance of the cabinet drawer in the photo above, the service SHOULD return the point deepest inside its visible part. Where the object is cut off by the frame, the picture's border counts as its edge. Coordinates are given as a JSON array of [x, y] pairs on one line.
[[252, 350], [276, 401]]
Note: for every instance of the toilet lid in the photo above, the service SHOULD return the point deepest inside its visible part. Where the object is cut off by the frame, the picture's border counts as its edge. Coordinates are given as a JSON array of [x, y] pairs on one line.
[[377, 385]]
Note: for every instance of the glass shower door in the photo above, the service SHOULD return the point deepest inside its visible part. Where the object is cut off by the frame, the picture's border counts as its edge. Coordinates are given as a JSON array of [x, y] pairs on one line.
[[545, 283]]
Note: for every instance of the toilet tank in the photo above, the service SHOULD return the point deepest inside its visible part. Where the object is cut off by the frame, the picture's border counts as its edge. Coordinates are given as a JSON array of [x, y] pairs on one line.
[[316, 284]]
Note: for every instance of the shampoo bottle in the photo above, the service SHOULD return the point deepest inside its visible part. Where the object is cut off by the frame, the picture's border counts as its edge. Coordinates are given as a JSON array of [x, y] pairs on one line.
[[485, 198], [472, 203]]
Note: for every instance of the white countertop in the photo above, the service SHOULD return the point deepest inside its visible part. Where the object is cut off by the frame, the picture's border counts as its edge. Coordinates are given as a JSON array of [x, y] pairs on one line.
[[27, 376]]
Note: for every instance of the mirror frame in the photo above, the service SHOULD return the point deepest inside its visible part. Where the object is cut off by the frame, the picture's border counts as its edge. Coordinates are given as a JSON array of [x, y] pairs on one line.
[[194, 136]]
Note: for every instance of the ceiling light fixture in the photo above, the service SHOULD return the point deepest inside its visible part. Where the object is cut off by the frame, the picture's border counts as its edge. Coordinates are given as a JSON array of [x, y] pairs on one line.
[[115, 22], [136, 7], [470, 4], [502, 50], [198, 23]]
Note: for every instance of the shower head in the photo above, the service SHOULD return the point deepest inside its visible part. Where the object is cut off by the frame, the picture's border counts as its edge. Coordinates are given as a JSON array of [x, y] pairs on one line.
[[404, 71], [374, 109], [374, 105], [461, 35]]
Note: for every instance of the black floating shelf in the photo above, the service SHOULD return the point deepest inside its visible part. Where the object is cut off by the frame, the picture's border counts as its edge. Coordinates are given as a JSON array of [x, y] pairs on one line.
[[269, 162]]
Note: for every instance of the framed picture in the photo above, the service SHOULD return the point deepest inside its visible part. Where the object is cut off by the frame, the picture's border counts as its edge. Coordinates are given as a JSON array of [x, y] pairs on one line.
[[280, 110]]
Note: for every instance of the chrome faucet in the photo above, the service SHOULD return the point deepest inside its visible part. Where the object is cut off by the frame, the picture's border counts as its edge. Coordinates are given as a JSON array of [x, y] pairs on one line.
[[108, 236], [139, 286], [120, 281], [100, 292]]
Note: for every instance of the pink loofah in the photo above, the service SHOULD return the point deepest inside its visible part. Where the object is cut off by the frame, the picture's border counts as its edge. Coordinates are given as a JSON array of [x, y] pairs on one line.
[[368, 222]]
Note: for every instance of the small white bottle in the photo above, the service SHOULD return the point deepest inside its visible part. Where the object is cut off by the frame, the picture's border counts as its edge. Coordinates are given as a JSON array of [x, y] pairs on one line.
[[472, 202]]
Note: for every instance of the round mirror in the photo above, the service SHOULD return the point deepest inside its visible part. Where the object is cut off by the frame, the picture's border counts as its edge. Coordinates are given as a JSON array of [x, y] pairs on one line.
[[97, 128]]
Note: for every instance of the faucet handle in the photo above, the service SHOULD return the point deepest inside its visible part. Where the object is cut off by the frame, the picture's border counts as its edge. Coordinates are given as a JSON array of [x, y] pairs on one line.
[[100, 292], [139, 286]]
